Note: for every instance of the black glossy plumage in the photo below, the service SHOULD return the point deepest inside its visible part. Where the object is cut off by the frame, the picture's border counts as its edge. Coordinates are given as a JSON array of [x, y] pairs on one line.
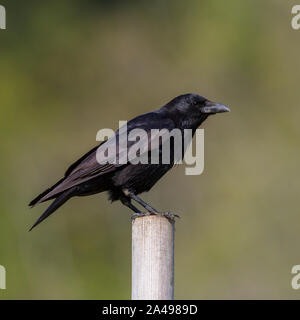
[[86, 176]]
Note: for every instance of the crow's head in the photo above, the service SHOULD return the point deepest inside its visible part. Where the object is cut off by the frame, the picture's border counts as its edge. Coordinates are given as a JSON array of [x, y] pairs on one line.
[[190, 110]]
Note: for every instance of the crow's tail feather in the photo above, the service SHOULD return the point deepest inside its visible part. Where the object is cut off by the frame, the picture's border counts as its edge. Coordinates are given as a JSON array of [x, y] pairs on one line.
[[40, 196], [59, 201]]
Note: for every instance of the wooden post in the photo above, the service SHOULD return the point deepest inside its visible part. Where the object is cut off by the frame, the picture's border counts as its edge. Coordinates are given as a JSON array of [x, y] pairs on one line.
[[152, 258]]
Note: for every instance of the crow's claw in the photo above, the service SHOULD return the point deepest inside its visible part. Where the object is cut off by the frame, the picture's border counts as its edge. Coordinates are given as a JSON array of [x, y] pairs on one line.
[[139, 215], [169, 215]]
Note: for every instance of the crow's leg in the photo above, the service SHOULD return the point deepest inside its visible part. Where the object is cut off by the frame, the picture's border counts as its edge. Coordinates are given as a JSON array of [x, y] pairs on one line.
[[137, 213], [127, 202], [150, 210], [140, 201]]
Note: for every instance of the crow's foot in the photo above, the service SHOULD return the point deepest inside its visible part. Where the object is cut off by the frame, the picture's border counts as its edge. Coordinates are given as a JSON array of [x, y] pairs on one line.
[[169, 215], [139, 215]]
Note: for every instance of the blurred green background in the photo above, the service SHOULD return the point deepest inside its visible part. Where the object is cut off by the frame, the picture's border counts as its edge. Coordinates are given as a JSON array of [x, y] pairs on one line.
[[70, 68]]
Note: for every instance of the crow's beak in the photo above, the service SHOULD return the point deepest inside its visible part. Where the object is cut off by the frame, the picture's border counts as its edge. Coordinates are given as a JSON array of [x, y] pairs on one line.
[[213, 107]]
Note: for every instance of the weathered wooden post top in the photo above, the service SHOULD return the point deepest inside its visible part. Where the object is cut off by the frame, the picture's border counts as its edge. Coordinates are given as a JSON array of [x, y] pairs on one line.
[[153, 258]]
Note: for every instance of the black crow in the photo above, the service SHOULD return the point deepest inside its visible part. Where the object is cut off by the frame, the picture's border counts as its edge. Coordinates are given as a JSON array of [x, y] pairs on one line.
[[125, 181]]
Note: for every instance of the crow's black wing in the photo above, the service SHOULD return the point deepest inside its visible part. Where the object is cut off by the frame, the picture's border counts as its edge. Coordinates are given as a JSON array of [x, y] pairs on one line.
[[41, 196], [87, 167]]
